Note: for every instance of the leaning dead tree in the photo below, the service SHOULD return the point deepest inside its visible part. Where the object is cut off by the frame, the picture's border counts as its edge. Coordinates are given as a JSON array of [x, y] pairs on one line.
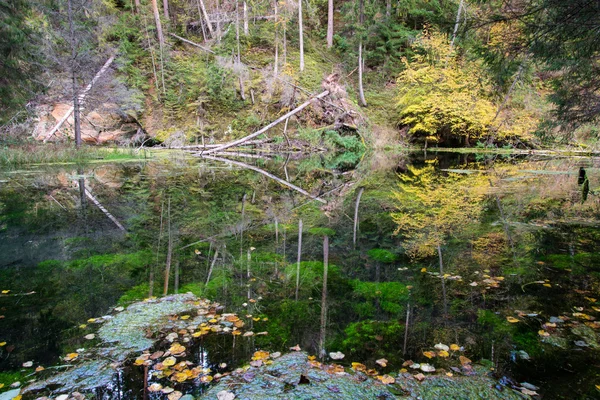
[[271, 125], [81, 97]]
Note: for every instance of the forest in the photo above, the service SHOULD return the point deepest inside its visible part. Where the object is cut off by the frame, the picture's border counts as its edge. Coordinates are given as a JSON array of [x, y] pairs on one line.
[[299, 199]]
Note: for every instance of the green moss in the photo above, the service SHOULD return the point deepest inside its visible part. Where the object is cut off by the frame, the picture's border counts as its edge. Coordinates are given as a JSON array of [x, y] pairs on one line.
[[382, 255]]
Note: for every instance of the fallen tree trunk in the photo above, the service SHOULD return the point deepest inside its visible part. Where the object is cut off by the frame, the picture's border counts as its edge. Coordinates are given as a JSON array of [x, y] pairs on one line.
[[192, 43], [81, 98], [211, 146], [265, 173], [272, 124]]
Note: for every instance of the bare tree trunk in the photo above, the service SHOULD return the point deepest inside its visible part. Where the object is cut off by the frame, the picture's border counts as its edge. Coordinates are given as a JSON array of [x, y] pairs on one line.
[[361, 92], [358, 196], [166, 9], [137, 6], [276, 64], [445, 299], [329, 24], [301, 35], [151, 283], [212, 266], [388, 9], [276, 231], [248, 261], [205, 15], [284, 41], [299, 257], [457, 22], [245, 18], [169, 250], [361, 18], [159, 31], [218, 20], [323, 329], [237, 39], [75, 86], [151, 48]]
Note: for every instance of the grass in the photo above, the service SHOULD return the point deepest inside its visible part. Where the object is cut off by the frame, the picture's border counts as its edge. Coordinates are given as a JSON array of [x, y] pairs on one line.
[[30, 154]]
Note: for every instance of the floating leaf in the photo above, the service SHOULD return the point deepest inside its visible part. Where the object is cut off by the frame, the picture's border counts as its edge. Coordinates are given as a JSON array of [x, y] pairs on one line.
[[260, 355], [386, 379], [169, 361], [176, 349], [427, 368], [383, 362], [5, 291], [443, 354], [167, 390], [90, 336], [464, 360], [2, 344], [91, 320], [420, 377], [206, 379], [543, 333], [512, 320], [454, 347], [473, 284], [441, 346], [28, 364], [39, 369], [423, 269], [71, 356], [275, 355], [449, 374], [82, 326], [359, 367], [184, 317], [429, 354], [547, 285], [176, 395], [249, 333], [295, 348]]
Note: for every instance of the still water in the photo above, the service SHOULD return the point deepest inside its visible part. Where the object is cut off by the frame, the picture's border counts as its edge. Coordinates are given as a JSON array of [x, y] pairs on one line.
[[496, 254]]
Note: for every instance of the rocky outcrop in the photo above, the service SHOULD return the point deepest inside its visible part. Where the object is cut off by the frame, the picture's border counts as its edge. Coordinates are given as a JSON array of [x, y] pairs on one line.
[[107, 123]]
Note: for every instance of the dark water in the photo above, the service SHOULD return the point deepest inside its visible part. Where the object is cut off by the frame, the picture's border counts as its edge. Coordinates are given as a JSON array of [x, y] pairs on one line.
[[518, 237]]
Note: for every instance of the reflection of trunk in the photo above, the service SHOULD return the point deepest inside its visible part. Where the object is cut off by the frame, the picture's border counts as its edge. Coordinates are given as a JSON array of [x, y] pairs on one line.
[[176, 283], [301, 35], [299, 257], [169, 250], [159, 32], [212, 266], [360, 192], [242, 226], [406, 329], [445, 300], [248, 272], [151, 283], [160, 232], [388, 9], [82, 200], [276, 232], [324, 298], [505, 226], [276, 63]]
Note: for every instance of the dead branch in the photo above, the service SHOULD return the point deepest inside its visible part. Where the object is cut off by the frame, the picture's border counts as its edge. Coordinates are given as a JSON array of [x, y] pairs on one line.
[[272, 124], [192, 43]]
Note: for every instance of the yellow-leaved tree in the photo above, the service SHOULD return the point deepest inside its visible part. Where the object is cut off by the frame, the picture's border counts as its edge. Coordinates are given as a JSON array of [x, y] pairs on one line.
[[443, 96]]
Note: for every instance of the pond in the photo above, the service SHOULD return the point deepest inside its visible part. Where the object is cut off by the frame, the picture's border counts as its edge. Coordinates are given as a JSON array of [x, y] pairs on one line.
[[495, 257]]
